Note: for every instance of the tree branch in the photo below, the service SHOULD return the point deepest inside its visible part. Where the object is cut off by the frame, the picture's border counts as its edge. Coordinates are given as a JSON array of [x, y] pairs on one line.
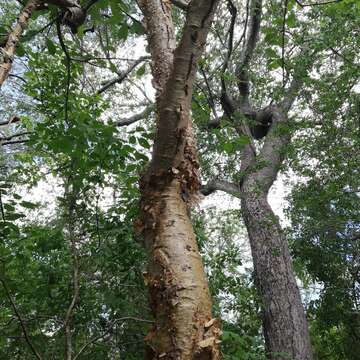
[[298, 79], [8, 138], [7, 52], [137, 117], [2, 208], [14, 119], [68, 67], [271, 154], [181, 4], [247, 53], [96, 338], [283, 42], [71, 195], [317, 3], [221, 185], [64, 3], [233, 12], [14, 142], [210, 99], [122, 76], [22, 323]]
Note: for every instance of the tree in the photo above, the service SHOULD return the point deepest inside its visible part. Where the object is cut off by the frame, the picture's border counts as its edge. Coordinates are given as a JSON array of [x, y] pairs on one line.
[[70, 131], [324, 213], [179, 294], [81, 288], [267, 131], [184, 325], [73, 15]]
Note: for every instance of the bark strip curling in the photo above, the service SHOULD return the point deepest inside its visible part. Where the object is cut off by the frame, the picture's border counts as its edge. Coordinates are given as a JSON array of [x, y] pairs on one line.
[[179, 294]]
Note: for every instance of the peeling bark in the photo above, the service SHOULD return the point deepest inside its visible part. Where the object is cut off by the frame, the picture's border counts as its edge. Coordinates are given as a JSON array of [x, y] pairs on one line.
[[179, 294], [8, 49]]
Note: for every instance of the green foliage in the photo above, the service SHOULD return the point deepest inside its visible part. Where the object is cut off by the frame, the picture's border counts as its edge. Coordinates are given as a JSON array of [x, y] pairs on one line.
[[221, 239]]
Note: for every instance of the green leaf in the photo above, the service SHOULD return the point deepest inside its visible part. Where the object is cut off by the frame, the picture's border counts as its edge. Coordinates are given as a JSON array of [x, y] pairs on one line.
[[141, 71], [50, 46], [228, 147], [113, 68], [123, 32], [275, 64], [14, 216], [20, 50], [271, 53], [272, 36], [144, 143], [28, 205], [137, 28], [291, 20]]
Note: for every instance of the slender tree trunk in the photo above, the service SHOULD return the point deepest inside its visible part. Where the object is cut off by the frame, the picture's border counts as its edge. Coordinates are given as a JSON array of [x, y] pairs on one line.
[[179, 294], [12, 40], [284, 322]]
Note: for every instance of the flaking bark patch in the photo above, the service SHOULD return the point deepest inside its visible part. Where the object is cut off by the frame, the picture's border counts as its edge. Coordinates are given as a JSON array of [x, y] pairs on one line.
[[179, 294]]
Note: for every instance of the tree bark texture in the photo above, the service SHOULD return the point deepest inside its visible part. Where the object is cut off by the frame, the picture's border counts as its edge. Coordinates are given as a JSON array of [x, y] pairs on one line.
[[284, 322], [12, 40], [179, 294]]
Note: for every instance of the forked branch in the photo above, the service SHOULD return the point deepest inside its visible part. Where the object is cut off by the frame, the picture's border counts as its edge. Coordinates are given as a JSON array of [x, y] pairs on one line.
[[242, 69]]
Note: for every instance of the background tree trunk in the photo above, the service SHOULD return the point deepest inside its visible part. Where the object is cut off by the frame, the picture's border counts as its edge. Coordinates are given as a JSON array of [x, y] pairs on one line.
[[284, 322]]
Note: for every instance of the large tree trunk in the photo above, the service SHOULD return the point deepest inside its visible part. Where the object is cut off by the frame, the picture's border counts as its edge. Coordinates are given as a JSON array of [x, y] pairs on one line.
[[179, 294], [9, 47], [285, 326], [284, 322]]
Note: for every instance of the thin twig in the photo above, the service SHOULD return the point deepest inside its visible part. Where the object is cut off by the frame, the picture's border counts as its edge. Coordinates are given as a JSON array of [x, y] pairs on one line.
[[91, 341], [8, 138], [317, 3], [2, 208], [14, 119], [283, 43], [233, 12], [68, 68], [137, 117], [211, 99], [22, 324], [14, 142], [122, 76]]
